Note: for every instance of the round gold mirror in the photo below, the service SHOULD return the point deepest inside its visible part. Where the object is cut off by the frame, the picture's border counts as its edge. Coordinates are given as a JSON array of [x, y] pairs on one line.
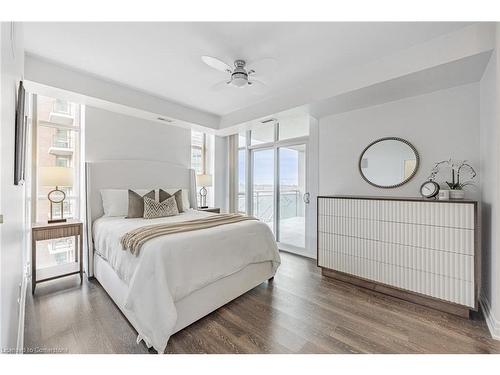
[[389, 162]]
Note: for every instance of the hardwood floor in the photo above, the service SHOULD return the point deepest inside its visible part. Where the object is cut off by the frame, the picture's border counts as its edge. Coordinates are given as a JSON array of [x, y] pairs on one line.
[[299, 312]]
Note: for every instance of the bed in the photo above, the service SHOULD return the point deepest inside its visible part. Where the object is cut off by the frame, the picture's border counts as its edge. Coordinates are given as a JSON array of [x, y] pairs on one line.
[[178, 278]]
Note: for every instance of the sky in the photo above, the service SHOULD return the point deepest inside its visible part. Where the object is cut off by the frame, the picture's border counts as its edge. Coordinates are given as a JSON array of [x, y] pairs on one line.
[[264, 167]]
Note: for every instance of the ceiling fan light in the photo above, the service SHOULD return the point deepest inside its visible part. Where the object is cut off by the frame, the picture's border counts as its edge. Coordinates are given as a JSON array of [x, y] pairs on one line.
[[239, 79], [239, 82]]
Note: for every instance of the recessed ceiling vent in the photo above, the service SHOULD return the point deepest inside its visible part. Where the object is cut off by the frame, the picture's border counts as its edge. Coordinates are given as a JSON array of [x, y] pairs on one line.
[[268, 120]]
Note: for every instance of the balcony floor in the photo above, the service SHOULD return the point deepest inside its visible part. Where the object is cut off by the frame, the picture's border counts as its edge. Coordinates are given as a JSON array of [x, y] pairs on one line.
[[292, 231]]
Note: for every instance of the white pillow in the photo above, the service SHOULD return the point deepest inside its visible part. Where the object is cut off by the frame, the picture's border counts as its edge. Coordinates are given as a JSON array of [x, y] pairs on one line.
[[185, 196], [115, 201]]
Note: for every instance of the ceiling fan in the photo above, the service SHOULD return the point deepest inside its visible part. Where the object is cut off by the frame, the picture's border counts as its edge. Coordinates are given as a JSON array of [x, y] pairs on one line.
[[243, 74]]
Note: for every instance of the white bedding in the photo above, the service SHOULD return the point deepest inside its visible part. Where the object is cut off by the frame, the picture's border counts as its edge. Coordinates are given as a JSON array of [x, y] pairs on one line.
[[171, 267]]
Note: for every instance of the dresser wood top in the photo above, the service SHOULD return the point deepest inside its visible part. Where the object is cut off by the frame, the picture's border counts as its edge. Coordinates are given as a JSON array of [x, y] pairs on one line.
[[389, 198]]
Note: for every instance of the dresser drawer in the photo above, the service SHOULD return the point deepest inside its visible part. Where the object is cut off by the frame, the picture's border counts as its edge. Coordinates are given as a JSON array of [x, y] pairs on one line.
[[353, 208], [52, 233], [457, 266], [448, 214], [425, 283], [455, 240]]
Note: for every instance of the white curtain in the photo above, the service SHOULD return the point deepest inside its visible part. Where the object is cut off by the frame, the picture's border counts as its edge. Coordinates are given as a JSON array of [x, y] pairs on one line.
[[233, 172]]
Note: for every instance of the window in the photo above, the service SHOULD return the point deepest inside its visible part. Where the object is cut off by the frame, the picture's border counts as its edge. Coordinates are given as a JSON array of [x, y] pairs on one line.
[[63, 161], [263, 134], [62, 138], [57, 144], [202, 159], [198, 152], [58, 129], [61, 106]]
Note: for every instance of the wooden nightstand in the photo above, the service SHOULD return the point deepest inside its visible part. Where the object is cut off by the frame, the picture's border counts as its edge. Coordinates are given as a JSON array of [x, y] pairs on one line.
[[215, 210], [45, 231]]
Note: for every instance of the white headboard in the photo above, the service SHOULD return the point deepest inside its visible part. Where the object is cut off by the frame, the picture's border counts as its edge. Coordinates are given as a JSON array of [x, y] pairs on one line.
[[130, 174]]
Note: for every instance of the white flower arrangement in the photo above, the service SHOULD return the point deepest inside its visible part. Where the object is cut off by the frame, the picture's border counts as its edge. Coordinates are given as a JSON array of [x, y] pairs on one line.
[[457, 168]]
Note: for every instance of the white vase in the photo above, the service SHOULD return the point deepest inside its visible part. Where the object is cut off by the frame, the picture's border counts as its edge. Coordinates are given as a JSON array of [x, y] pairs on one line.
[[457, 194], [444, 195]]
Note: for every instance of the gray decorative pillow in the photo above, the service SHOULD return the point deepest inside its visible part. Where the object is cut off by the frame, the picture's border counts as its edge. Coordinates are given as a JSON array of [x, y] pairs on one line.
[[154, 209], [178, 198], [136, 203]]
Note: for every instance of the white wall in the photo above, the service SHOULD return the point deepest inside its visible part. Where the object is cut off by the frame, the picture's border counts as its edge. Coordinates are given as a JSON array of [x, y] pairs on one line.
[[440, 125], [112, 136], [490, 174], [12, 202]]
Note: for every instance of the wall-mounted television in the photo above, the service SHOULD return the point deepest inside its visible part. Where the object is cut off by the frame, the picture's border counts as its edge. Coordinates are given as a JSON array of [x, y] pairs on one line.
[[20, 137]]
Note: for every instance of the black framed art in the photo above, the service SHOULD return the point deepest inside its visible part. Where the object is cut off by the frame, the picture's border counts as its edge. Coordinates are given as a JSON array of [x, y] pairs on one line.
[[20, 137]]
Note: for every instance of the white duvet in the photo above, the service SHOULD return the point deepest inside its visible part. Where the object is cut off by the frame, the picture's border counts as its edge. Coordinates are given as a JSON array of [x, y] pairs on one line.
[[170, 267]]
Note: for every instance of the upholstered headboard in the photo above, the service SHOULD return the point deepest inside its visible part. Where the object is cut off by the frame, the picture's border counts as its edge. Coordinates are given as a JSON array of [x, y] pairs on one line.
[[130, 174]]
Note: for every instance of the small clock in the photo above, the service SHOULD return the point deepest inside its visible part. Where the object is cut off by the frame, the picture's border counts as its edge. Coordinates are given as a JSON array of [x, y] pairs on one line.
[[429, 189]]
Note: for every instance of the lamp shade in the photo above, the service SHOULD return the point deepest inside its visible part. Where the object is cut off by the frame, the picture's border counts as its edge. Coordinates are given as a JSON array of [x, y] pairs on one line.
[[56, 176], [204, 180]]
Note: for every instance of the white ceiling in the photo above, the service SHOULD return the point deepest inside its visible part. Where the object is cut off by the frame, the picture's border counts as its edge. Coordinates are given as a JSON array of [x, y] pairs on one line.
[[163, 59], [456, 73]]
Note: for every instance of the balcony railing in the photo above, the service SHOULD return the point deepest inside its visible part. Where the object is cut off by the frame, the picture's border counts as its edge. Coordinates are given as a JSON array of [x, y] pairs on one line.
[[61, 142], [263, 204], [61, 146]]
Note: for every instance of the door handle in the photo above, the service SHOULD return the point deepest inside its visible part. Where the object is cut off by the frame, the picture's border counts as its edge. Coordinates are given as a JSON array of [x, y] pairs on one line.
[[306, 198]]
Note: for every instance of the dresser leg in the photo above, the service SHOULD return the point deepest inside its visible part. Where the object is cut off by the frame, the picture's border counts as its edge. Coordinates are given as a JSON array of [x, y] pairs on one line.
[[33, 264], [76, 248], [80, 248]]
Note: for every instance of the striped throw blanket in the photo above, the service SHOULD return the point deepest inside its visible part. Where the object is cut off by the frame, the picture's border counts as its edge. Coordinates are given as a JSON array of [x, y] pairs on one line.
[[134, 239]]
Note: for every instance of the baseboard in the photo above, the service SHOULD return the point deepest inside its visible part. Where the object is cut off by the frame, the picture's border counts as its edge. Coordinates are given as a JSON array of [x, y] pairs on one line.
[[22, 308], [492, 322]]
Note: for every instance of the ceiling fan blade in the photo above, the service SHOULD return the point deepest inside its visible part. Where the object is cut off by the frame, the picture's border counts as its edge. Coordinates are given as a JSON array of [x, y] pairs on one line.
[[257, 87], [262, 66], [216, 64], [220, 85]]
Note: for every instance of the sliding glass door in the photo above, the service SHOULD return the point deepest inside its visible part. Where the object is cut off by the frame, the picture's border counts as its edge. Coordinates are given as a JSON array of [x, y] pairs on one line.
[[263, 190], [279, 194], [293, 196], [273, 157]]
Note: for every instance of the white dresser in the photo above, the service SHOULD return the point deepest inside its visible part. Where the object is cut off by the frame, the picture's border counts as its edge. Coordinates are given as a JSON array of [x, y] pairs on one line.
[[419, 250]]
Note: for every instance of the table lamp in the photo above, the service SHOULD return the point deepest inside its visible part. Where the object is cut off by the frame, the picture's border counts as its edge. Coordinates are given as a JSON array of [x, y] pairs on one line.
[[56, 177], [203, 180]]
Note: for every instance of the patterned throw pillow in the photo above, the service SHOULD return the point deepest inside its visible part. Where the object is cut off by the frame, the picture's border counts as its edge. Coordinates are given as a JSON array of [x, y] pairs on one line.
[[178, 198], [154, 209]]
